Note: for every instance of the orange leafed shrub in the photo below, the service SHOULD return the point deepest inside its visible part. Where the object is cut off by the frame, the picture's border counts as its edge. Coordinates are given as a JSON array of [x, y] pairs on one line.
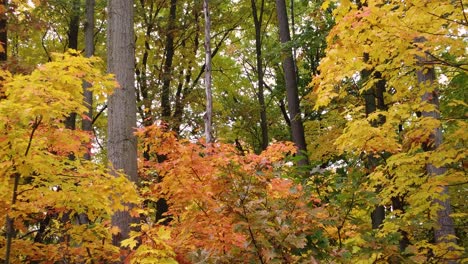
[[225, 206]]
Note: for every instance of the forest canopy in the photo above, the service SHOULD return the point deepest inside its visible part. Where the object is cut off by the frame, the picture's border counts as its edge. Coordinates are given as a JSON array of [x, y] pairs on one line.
[[178, 131]]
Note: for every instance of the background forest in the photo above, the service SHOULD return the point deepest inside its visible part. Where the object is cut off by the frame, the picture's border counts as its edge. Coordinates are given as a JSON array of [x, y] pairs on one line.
[[233, 131]]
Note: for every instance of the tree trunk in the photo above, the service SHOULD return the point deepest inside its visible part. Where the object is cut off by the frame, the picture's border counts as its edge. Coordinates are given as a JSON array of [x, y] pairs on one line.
[[378, 214], [374, 101], [258, 18], [74, 25], [73, 29], [86, 123], [445, 233], [292, 94], [167, 70], [4, 31], [209, 99], [122, 145]]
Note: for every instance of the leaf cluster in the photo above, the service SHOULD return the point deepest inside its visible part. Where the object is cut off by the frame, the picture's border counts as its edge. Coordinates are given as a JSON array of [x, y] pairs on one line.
[[59, 205], [225, 206]]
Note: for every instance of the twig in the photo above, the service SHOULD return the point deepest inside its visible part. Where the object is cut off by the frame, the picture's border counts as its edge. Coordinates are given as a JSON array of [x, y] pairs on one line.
[[98, 114], [10, 221]]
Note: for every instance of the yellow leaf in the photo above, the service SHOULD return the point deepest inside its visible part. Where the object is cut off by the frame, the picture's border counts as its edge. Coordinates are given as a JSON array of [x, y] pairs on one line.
[[129, 242], [325, 5], [114, 230]]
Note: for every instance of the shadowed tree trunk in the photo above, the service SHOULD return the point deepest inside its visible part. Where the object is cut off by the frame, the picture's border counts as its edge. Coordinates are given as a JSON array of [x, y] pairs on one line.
[[86, 123], [209, 98], [258, 18], [374, 101], [292, 94], [445, 232], [122, 145], [73, 29], [4, 31], [167, 70]]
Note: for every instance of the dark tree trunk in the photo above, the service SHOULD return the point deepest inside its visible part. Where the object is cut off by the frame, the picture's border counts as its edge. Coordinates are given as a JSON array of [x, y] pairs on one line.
[[74, 25], [86, 123], [258, 18], [167, 70], [297, 128], [445, 232], [4, 32], [73, 29], [374, 100]]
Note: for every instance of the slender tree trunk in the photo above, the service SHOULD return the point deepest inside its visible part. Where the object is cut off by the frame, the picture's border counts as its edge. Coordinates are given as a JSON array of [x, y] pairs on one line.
[[86, 123], [3, 39], [70, 120], [10, 222], [374, 101], [147, 115], [4, 31], [293, 32], [209, 99], [74, 25], [258, 18], [297, 128], [167, 70], [122, 145], [445, 233], [73, 29]]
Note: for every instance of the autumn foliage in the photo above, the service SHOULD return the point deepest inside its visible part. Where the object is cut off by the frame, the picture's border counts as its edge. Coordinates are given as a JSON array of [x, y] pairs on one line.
[[224, 206], [59, 208], [385, 125]]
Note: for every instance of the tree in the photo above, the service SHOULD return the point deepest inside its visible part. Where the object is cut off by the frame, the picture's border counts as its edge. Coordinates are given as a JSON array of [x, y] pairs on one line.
[[258, 20], [445, 231], [405, 141], [228, 206], [122, 148], [297, 128], [209, 96], [169, 57], [86, 123], [384, 127], [73, 30], [40, 184], [3, 30]]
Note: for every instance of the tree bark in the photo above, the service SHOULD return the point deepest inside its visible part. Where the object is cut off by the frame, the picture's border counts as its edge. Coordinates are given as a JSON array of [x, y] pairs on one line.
[[86, 123], [374, 100], [74, 25], [209, 99], [258, 18], [167, 70], [73, 29], [4, 31], [292, 94], [445, 233], [122, 145]]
